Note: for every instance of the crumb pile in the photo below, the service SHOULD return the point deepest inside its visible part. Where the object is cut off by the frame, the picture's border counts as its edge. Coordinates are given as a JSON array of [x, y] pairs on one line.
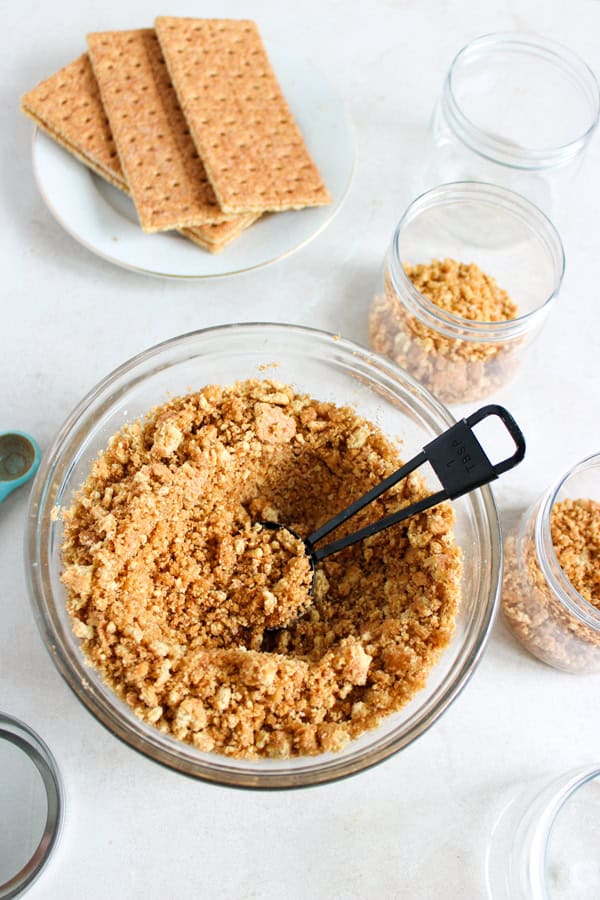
[[575, 529], [197, 616], [271, 578], [189, 119], [456, 370], [540, 621]]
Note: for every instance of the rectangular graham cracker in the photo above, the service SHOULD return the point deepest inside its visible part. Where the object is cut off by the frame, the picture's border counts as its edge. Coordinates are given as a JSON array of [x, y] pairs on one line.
[[250, 144], [215, 238], [68, 107], [166, 177]]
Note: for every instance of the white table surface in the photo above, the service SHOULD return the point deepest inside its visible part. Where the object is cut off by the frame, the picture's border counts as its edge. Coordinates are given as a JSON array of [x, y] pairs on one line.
[[415, 827]]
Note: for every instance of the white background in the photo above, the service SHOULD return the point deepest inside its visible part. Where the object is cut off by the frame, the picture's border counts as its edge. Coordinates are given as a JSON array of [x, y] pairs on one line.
[[417, 826]]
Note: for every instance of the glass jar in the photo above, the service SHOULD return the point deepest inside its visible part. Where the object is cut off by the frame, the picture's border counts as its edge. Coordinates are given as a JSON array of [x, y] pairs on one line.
[[32, 806], [516, 110], [544, 843], [547, 614], [463, 359]]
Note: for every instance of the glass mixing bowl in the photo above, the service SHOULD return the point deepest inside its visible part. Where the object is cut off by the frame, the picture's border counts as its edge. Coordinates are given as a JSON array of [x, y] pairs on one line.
[[330, 369]]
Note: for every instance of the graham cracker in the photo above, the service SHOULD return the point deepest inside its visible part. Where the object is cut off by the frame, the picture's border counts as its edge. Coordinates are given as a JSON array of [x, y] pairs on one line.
[[68, 107], [250, 144], [165, 175], [215, 238]]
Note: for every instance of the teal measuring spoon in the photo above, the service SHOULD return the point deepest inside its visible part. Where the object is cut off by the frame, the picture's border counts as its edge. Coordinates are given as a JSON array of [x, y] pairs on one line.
[[19, 460]]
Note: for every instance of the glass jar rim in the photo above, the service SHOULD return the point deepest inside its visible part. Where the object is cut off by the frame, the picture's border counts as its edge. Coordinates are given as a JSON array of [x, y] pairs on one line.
[[517, 852], [548, 804], [15, 733], [447, 323], [557, 580], [497, 149]]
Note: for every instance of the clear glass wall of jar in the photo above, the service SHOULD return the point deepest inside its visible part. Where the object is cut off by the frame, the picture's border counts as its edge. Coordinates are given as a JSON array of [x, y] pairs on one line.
[[516, 110], [545, 611], [544, 843], [464, 359]]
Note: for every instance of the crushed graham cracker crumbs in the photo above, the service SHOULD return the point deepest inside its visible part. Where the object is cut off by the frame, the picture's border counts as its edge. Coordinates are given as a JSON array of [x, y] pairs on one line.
[[575, 530], [166, 569], [455, 370], [539, 619]]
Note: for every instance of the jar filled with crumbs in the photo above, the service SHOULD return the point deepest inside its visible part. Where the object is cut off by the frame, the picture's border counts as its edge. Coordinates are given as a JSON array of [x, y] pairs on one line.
[[470, 276], [551, 590]]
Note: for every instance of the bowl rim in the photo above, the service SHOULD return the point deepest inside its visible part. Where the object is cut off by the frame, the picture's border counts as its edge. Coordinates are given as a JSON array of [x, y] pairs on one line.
[[148, 740]]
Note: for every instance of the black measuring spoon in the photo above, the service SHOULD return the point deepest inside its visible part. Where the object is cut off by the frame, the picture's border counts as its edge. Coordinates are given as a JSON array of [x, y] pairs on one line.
[[458, 460]]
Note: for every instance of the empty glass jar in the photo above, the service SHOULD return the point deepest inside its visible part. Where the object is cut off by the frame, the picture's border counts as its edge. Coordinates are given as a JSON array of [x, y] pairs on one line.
[[516, 110], [544, 844]]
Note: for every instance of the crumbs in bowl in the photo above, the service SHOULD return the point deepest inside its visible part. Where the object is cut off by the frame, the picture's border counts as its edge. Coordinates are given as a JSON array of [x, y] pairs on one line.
[[204, 622]]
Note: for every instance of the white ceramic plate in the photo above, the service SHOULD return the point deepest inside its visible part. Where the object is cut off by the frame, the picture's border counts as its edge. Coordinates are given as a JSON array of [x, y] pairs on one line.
[[103, 219]]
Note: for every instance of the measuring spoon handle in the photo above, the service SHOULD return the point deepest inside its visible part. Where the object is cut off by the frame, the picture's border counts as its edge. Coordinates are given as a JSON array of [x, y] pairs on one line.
[[458, 460]]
